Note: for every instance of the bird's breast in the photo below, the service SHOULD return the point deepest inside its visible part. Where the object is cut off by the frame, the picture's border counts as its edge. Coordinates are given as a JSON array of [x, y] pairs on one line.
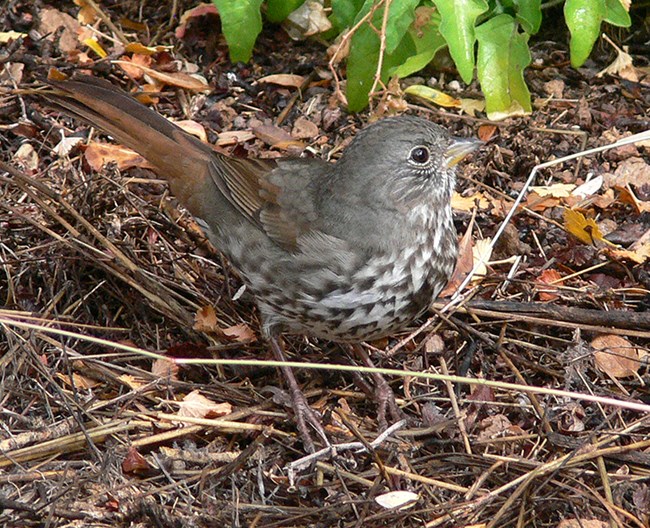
[[377, 298], [375, 294]]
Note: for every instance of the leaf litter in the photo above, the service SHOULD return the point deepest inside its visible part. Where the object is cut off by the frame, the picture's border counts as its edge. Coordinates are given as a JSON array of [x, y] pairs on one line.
[[92, 246]]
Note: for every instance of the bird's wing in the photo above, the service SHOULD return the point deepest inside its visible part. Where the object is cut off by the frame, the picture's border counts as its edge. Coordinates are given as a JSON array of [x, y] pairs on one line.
[[280, 199]]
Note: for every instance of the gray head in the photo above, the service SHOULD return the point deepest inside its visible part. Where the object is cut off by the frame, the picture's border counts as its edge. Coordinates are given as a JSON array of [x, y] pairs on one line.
[[406, 159]]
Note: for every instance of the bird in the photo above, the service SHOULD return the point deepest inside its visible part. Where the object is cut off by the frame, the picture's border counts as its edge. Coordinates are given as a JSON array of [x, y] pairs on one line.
[[347, 251]]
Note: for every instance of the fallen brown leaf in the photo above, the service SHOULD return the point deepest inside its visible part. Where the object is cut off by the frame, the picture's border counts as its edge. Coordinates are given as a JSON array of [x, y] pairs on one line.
[[241, 333], [178, 79], [615, 356], [283, 79], [99, 155], [165, 369], [51, 20], [548, 278], [205, 320], [195, 405]]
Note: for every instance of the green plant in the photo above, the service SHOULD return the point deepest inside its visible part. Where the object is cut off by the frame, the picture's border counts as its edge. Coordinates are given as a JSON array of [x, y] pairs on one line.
[[396, 38]]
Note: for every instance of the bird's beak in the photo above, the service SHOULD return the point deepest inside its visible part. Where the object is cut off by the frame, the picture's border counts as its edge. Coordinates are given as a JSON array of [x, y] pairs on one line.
[[459, 148]]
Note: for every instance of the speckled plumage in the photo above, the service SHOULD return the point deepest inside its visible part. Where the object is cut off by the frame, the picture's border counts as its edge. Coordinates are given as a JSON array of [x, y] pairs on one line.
[[377, 242], [348, 251]]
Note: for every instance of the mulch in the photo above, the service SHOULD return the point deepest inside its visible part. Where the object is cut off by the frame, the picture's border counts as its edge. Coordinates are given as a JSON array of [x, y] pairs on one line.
[[99, 267]]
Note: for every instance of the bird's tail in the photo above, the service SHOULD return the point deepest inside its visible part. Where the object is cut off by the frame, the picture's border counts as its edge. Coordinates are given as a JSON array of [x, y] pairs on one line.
[[176, 155]]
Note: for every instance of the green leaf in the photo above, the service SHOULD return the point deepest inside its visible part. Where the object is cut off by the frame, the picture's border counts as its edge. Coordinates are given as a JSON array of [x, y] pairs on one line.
[[344, 13], [278, 10], [502, 57], [457, 26], [400, 15], [241, 23], [616, 14], [583, 17], [529, 15], [363, 59], [362, 62], [427, 40]]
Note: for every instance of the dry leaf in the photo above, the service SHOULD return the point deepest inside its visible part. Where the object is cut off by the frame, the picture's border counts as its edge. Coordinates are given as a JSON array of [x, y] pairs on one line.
[[634, 171], [196, 12], [589, 187], [133, 65], [639, 255], [515, 110], [87, 14], [284, 79], [432, 95], [234, 137], [573, 418], [27, 157], [584, 229], [78, 381], [8, 36], [303, 128], [134, 463], [194, 128], [621, 66], [615, 356], [538, 203], [603, 200], [548, 278], [555, 88], [50, 22], [309, 19], [582, 523], [205, 320], [140, 49], [98, 155], [179, 79], [493, 427], [132, 382], [94, 45], [195, 405], [471, 106], [271, 134], [481, 254], [464, 263], [557, 190], [277, 137], [165, 368], [626, 195], [487, 132], [469, 203], [66, 144], [397, 499], [241, 333], [11, 74]]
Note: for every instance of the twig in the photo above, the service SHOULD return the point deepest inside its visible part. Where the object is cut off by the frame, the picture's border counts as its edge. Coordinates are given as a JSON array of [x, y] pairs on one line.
[[343, 45], [326, 452], [382, 50], [642, 136], [625, 319]]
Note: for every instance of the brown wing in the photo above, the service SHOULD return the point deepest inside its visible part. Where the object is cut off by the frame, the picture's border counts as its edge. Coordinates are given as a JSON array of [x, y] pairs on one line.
[[195, 171]]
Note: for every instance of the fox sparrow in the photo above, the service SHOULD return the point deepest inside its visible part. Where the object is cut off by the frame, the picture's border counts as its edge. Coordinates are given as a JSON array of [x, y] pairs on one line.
[[347, 251]]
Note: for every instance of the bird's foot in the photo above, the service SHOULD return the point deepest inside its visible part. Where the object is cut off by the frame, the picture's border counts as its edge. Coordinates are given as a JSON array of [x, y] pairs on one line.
[[381, 393], [304, 414]]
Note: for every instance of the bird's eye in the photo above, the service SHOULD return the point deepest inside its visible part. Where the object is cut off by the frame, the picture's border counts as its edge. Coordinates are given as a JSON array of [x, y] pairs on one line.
[[419, 155]]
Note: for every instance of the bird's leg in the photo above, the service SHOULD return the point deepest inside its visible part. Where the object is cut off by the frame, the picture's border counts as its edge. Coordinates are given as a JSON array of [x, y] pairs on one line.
[[384, 395], [303, 412]]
